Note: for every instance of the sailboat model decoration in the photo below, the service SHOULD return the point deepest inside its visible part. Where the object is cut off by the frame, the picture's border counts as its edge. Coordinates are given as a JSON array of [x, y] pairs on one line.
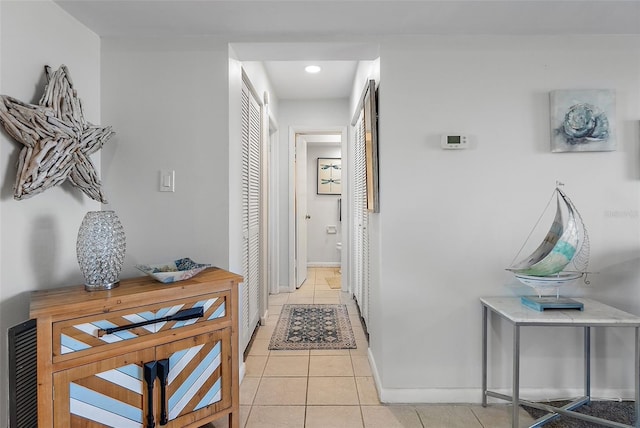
[[560, 259]]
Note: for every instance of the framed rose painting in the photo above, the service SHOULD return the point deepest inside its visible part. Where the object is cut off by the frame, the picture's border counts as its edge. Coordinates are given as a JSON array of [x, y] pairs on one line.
[[583, 120]]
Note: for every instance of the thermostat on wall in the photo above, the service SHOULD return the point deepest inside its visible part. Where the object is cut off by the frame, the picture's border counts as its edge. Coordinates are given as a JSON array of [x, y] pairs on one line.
[[451, 141]]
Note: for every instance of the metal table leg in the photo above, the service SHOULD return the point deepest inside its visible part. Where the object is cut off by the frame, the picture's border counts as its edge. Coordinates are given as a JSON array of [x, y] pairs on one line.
[[484, 356], [587, 363], [516, 376], [569, 409], [637, 380]]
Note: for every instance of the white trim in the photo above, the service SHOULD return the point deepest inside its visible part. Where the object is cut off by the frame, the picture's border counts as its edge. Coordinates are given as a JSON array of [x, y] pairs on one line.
[[265, 245], [291, 211], [242, 370], [264, 318], [323, 264], [474, 395], [273, 257], [284, 289], [347, 202], [431, 395]]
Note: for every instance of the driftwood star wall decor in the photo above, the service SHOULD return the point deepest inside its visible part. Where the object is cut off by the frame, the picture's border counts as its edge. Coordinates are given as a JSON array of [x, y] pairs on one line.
[[56, 137]]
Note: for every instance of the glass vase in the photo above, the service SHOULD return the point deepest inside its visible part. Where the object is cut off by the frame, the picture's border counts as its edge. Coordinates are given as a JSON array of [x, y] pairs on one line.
[[100, 249]]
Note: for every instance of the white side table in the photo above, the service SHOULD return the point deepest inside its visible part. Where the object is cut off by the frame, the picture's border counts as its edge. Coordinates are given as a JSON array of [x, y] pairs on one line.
[[595, 314]]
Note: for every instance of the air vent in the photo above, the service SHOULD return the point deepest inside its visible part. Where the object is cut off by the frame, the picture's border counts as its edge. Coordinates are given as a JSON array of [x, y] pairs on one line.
[[23, 376]]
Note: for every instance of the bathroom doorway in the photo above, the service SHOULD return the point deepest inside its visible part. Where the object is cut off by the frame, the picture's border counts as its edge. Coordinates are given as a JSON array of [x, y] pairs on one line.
[[318, 196], [318, 201]]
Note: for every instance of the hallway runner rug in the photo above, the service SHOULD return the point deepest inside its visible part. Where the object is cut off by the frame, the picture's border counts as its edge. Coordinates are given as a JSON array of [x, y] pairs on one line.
[[313, 327]]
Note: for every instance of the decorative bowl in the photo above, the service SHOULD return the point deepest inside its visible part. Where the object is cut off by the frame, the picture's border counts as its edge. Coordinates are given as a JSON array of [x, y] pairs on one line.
[[177, 270]]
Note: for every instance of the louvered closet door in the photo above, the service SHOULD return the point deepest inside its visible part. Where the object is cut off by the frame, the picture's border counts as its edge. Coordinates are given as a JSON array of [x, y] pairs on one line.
[[360, 261], [251, 173]]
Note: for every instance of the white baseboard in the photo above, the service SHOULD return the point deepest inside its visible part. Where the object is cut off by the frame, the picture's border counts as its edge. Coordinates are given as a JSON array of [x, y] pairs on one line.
[[323, 264], [285, 289], [474, 395], [242, 371]]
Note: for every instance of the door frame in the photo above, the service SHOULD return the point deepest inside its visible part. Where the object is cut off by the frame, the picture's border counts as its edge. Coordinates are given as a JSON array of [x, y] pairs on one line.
[[346, 197], [273, 202], [301, 213]]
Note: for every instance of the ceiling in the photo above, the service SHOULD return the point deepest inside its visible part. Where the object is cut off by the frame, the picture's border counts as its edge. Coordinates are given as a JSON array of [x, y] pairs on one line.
[[354, 17], [291, 82], [308, 20]]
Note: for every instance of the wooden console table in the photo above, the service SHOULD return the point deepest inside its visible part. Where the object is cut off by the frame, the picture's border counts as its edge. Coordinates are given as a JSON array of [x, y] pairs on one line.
[[595, 314], [142, 355]]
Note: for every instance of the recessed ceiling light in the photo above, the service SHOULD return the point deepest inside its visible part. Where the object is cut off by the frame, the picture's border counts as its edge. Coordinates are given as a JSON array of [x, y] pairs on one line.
[[312, 69]]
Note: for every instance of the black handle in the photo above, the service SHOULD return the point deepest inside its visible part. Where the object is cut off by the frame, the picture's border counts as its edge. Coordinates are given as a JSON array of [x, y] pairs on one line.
[[185, 314], [163, 374], [150, 373]]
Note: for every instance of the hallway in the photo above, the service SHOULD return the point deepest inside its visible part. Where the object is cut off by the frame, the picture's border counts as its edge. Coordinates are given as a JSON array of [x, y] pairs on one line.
[[335, 388]]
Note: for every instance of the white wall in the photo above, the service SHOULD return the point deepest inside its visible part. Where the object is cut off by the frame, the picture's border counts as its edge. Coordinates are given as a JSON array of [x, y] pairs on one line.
[[323, 209], [452, 221], [310, 115], [260, 80], [38, 235], [366, 70], [168, 102], [175, 109]]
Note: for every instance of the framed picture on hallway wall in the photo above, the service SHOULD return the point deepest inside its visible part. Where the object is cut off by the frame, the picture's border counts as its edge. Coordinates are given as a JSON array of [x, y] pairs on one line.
[[370, 107], [329, 176]]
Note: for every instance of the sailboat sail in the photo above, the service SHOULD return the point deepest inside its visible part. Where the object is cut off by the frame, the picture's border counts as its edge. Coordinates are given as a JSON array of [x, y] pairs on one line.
[[561, 244]]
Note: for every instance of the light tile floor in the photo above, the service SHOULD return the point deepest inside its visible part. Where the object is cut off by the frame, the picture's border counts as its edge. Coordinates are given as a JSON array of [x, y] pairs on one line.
[[335, 388]]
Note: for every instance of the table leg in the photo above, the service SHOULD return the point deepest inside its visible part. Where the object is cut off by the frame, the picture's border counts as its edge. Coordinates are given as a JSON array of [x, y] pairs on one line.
[[637, 379], [587, 363], [516, 376], [484, 356]]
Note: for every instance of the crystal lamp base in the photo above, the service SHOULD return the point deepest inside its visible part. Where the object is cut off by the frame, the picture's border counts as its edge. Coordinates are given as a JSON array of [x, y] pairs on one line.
[[100, 287]]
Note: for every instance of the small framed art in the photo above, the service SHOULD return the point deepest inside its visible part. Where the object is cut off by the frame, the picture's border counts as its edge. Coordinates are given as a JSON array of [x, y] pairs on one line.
[[583, 120], [329, 176]]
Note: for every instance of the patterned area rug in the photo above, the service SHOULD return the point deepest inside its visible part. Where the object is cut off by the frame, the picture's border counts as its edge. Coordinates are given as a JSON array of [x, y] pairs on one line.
[[621, 412], [313, 327]]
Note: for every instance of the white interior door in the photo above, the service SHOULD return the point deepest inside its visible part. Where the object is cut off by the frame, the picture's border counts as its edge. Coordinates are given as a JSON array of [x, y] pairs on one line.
[[301, 210]]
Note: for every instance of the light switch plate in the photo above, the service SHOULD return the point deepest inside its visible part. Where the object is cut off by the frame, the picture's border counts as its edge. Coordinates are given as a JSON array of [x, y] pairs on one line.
[[167, 180]]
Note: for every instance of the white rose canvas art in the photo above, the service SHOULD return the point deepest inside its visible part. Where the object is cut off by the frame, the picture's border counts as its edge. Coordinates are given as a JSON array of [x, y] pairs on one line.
[[582, 120]]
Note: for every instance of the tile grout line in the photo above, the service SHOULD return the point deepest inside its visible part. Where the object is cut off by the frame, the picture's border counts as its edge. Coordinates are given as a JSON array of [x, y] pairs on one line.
[[306, 398], [308, 374]]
